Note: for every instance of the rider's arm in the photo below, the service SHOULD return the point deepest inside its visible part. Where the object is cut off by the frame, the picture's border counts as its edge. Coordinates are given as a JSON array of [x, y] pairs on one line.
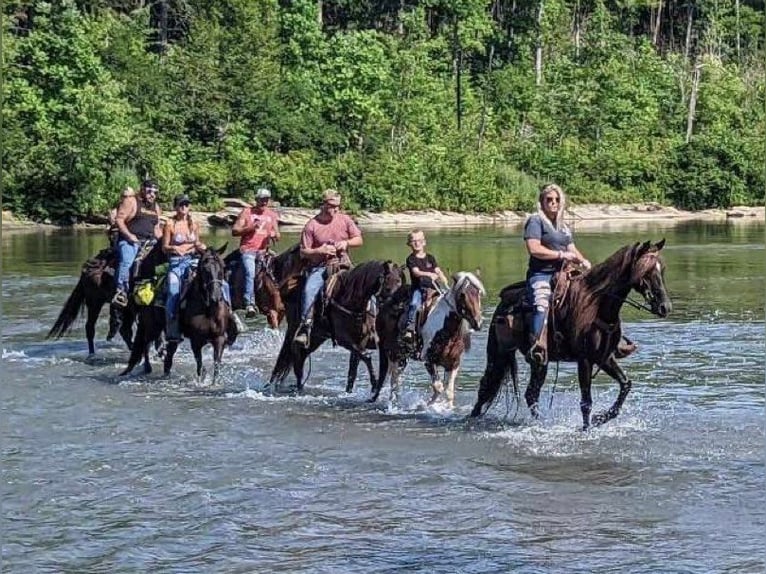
[[243, 224], [158, 228], [439, 275], [167, 239], [538, 250], [582, 259], [275, 226], [315, 254], [125, 212]]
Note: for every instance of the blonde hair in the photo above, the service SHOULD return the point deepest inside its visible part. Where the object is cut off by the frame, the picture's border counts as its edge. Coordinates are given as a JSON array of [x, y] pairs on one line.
[[558, 224], [128, 192], [413, 234]]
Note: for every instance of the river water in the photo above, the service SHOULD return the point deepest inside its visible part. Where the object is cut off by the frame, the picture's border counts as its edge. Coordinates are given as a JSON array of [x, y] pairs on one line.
[[140, 474]]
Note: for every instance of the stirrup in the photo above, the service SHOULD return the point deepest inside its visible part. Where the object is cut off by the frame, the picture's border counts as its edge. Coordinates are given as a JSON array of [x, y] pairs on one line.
[[625, 348], [537, 355], [409, 336], [250, 312], [120, 298], [303, 335]]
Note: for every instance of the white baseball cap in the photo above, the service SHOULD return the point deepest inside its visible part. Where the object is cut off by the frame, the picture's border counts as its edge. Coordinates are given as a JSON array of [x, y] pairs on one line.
[[262, 193]]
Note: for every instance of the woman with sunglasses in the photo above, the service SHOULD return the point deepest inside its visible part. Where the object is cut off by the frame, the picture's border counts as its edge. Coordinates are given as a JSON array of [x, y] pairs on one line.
[[549, 243]]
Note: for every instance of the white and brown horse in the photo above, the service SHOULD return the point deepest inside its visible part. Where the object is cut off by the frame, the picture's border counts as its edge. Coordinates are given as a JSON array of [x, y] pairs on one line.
[[446, 335]]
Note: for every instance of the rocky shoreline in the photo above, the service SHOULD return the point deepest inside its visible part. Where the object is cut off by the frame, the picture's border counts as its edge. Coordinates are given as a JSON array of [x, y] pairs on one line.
[[600, 216]]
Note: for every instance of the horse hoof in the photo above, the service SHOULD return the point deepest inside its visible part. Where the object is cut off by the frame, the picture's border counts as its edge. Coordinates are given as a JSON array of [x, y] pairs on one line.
[[600, 418]]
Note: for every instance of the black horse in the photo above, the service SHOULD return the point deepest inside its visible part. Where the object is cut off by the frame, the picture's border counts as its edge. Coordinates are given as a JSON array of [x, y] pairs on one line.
[[205, 318], [347, 316], [583, 327], [95, 288]]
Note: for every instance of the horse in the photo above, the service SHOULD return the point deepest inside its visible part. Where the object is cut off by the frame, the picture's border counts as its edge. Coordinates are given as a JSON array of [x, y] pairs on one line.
[[347, 316], [95, 288], [268, 298], [204, 318], [583, 327], [445, 334]]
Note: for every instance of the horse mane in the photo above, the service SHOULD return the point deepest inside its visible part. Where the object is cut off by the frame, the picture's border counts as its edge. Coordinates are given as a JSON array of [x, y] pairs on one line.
[[356, 282], [601, 277], [461, 277]]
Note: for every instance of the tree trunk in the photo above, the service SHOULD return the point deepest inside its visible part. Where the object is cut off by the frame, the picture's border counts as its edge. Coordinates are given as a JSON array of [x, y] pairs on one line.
[[458, 63], [696, 74], [736, 9], [687, 45], [483, 124], [539, 48], [320, 20], [657, 25]]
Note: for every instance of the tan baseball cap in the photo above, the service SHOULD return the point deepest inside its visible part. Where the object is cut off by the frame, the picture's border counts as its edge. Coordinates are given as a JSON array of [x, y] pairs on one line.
[[331, 197]]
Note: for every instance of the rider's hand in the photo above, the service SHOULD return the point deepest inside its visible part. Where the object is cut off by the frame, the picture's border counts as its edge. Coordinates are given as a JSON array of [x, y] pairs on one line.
[[328, 249], [341, 245], [568, 256]]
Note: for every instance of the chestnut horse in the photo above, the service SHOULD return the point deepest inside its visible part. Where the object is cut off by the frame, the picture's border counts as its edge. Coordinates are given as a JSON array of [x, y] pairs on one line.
[[583, 327], [95, 288], [446, 335], [347, 316], [267, 296]]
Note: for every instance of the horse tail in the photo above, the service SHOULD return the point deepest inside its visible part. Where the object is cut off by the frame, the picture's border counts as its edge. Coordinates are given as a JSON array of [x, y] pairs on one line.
[[72, 309], [501, 363]]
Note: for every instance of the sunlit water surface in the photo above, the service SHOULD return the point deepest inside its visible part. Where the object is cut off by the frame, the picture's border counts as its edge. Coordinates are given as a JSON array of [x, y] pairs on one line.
[[142, 473]]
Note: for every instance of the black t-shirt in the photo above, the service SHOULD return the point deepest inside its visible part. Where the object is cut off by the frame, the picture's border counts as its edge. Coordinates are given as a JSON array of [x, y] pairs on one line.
[[427, 264], [537, 228]]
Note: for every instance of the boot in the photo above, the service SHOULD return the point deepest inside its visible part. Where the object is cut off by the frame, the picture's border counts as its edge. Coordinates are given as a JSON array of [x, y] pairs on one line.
[[234, 328], [250, 311], [303, 335], [120, 298], [625, 348]]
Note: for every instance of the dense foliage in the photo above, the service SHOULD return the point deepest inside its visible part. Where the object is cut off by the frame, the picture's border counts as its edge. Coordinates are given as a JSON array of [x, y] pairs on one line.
[[462, 105]]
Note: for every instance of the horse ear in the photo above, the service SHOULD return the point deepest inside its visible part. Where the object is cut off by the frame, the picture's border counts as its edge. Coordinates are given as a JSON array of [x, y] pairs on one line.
[[644, 247], [477, 272], [222, 249], [660, 244]]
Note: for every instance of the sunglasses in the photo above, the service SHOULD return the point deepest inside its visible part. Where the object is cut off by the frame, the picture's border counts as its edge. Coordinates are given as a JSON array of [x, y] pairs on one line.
[[551, 200], [184, 204]]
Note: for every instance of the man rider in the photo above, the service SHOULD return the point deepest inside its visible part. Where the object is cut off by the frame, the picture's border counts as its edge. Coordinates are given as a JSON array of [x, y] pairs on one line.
[[138, 221], [256, 227], [325, 242]]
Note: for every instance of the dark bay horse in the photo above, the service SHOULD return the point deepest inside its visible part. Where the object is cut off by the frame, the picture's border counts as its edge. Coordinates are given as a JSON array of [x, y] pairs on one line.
[[446, 336], [95, 288], [348, 317], [267, 296], [204, 318], [583, 327]]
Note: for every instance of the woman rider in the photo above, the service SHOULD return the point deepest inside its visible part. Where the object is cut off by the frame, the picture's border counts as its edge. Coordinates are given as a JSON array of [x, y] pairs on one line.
[[180, 241], [549, 243]]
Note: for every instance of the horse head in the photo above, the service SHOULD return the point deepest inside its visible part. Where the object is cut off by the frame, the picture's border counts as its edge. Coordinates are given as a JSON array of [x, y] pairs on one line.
[[211, 272], [467, 291], [648, 277], [391, 279], [269, 299]]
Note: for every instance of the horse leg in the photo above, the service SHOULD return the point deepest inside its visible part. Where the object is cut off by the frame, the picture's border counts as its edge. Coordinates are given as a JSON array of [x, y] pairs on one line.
[[353, 368], [584, 375], [170, 351], [383, 372], [451, 377], [136, 352], [90, 326], [197, 350], [436, 385], [532, 394], [218, 346], [396, 373], [125, 319], [367, 360], [611, 368]]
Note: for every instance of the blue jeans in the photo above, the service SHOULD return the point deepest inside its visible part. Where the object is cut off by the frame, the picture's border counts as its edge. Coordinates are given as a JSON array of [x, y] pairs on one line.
[[539, 296], [178, 271], [312, 287], [128, 252], [416, 300], [252, 263]]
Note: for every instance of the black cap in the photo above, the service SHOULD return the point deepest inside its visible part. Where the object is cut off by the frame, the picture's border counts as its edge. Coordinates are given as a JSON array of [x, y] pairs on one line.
[[179, 199], [149, 184]]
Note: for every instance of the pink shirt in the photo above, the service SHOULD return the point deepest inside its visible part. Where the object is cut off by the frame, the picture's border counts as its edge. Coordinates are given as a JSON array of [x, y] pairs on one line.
[[265, 226], [316, 234]]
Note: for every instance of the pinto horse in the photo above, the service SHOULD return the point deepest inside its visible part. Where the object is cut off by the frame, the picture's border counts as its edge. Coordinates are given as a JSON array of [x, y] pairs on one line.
[[583, 327], [95, 288], [268, 298], [446, 336], [204, 318], [347, 316]]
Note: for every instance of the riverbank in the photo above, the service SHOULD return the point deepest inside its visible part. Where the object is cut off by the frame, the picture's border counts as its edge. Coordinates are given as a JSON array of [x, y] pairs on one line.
[[597, 216]]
